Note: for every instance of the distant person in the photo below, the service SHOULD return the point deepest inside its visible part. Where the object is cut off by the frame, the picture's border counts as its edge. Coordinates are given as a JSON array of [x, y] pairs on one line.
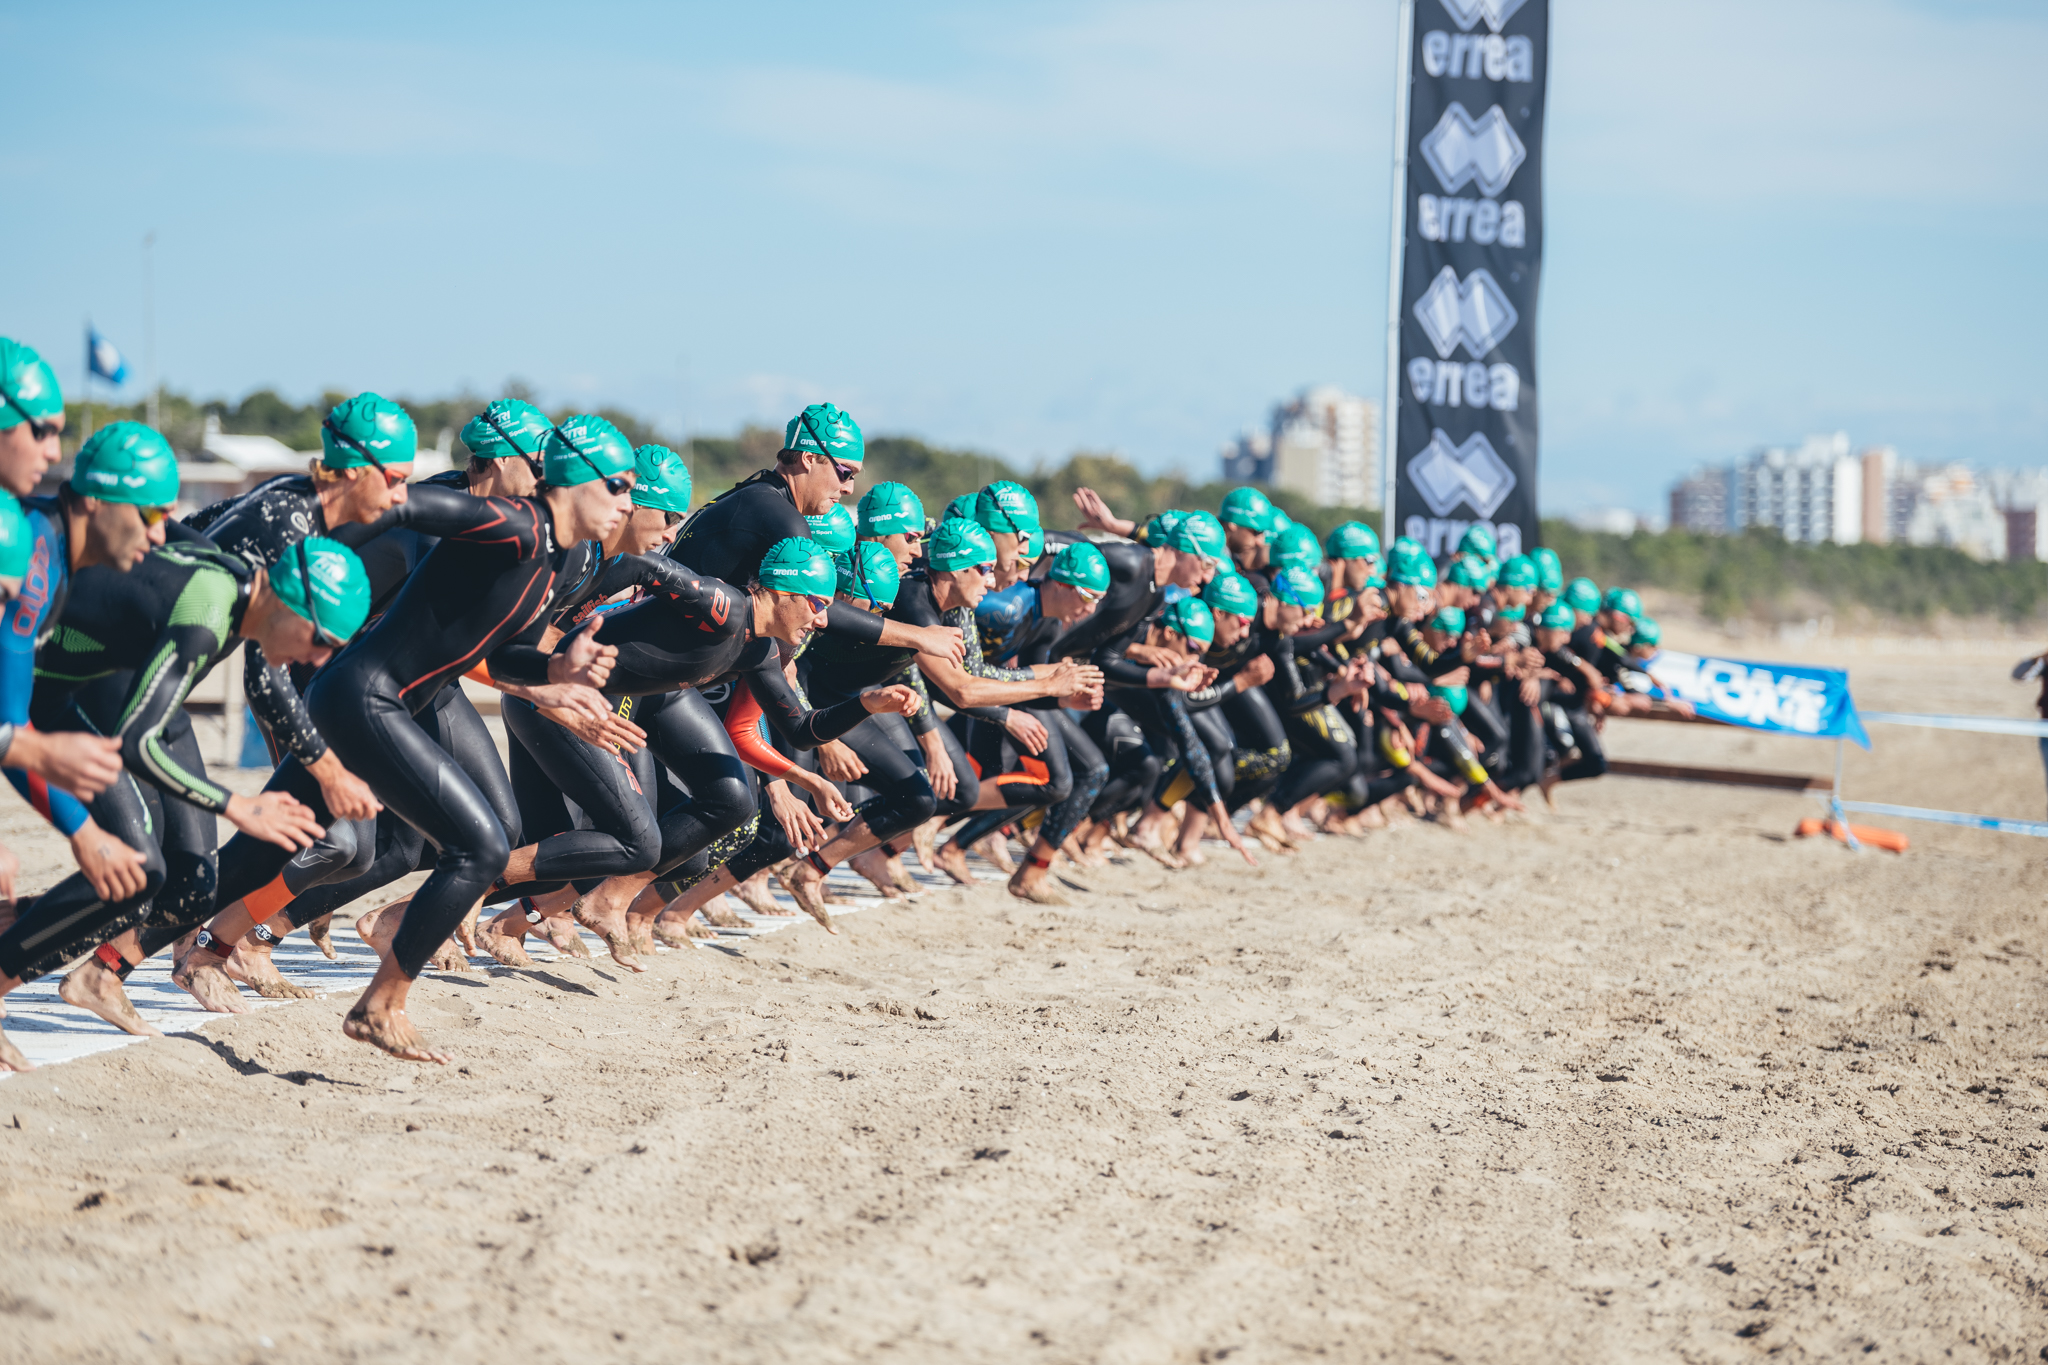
[[2035, 669]]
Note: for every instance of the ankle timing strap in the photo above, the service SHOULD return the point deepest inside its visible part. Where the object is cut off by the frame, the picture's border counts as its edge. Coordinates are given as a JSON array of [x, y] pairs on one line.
[[815, 860], [1041, 863], [207, 943], [110, 958], [530, 910], [265, 935]]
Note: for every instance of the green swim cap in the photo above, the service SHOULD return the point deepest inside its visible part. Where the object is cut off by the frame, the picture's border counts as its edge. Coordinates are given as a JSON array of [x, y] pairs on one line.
[[1458, 697], [1007, 506], [506, 427], [1450, 619], [1625, 601], [322, 581], [1298, 588], [1557, 616], [1583, 594], [1159, 530], [890, 509], [583, 448], [826, 429], [1249, 508], [1232, 592], [1296, 548], [1412, 568], [1519, 572], [1647, 632], [1511, 614], [797, 564], [1081, 566], [833, 529], [1200, 534], [367, 429], [664, 480], [868, 573], [1468, 571], [127, 462], [1192, 618], [1477, 540], [961, 507], [1376, 579], [16, 539], [1353, 540], [1030, 546], [28, 384], [1549, 569], [960, 543]]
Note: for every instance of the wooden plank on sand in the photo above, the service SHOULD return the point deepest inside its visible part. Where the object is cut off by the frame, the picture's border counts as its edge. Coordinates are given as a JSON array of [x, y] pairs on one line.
[[1726, 777]]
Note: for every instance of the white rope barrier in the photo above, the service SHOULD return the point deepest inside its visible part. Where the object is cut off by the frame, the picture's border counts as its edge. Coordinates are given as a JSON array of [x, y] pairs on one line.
[[1989, 725]]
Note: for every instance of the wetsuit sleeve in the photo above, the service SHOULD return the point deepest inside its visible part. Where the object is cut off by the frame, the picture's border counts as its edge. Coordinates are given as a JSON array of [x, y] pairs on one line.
[[200, 625], [280, 707], [521, 659], [652, 572], [743, 722], [924, 722], [1194, 752], [850, 621], [433, 510], [1117, 670], [1432, 664], [971, 659], [799, 725], [17, 684]]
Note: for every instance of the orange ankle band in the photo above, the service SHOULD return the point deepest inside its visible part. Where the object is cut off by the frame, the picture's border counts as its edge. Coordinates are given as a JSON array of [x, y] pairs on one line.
[[266, 902]]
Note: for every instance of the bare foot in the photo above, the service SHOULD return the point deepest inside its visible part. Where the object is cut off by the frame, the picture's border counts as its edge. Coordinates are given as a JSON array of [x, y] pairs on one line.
[[718, 911], [921, 842], [952, 861], [13, 1058], [806, 883], [873, 864], [465, 932], [210, 986], [996, 849], [92, 987], [319, 932], [251, 965], [900, 875], [754, 894], [449, 957], [611, 927], [560, 932], [678, 935], [1548, 786], [504, 939], [640, 931], [380, 926], [393, 1032], [1026, 886]]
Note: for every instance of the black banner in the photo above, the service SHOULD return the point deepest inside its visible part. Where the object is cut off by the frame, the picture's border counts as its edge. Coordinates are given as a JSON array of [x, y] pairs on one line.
[[1465, 387]]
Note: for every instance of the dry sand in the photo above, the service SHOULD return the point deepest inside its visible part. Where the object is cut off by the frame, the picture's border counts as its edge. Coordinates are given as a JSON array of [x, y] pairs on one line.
[[1643, 1080]]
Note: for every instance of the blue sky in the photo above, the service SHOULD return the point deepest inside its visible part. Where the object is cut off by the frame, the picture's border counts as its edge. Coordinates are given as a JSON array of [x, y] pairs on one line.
[[1035, 228]]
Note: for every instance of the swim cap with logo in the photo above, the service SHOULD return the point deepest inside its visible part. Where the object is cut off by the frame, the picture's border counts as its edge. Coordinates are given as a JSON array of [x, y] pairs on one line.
[[890, 509], [1192, 618], [583, 448], [961, 507], [127, 462], [1249, 508], [1296, 548], [1298, 588], [868, 573], [664, 480], [505, 428], [796, 564], [1411, 568], [1159, 530], [1625, 601], [833, 529], [1557, 616], [1647, 632], [28, 382], [1006, 507], [1549, 570], [1451, 619], [1519, 572], [1583, 594], [1232, 592], [1200, 534], [1081, 566], [826, 429], [368, 429], [16, 539], [1477, 540], [960, 543], [324, 582], [1468, 571], [1353, 540]]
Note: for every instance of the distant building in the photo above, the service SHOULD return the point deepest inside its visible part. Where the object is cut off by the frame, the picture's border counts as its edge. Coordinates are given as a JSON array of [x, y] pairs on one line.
[[1700, 503], [1322, 444], [1613, 521], [1811, 495]]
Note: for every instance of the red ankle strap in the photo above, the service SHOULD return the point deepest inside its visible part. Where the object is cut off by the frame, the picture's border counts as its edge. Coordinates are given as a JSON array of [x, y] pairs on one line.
[[110, 958]]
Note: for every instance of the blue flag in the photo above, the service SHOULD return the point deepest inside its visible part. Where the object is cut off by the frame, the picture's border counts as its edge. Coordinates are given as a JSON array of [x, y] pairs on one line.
[[1787, 698], [102, 359]]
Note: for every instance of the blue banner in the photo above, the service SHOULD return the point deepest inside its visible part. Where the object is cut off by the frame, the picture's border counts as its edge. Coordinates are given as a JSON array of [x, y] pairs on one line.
[[102, 359], [1785, 698]]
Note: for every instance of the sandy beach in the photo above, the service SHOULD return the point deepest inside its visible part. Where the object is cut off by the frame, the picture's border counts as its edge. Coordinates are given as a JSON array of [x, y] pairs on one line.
[[1643, 1079]]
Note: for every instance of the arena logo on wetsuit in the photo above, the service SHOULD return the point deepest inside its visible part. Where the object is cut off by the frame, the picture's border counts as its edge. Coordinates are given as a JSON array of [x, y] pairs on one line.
[[1464, 382], [1780, 697]]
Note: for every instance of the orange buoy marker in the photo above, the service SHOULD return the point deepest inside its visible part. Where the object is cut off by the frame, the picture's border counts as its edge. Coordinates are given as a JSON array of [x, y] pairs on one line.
[[1865, 834]]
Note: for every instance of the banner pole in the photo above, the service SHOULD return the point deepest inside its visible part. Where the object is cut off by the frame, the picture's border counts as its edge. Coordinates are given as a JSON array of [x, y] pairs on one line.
[[1403, 73], [1841, 818]]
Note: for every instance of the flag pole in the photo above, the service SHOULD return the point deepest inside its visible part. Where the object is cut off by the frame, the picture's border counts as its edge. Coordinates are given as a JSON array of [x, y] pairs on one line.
[[88, 382], [1389, 457], [149, 323]]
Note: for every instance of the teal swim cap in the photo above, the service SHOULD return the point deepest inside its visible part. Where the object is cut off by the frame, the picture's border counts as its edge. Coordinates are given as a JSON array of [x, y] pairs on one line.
[[1006, 507], [1232, 592], [890, 509], [28, 386], [1583, 594], [1468, 571], [1353, 540], [367, 429], [1296, 548], [868, 573], [1477, 540], [664, 480], [1557, 616], [1625, 601], [1451, 619], [1511, 614], [961, 507], [1298, 588], [1458, 697], [584, 448], [1376, 579], [1159, 530], [1412, 568], [506, 427], [960, 543], [322, 581], [1647, 632], [127, 462], [1519, 572], [1200, 534], [1081, 566], [826, 429], [1192, 618], [1030, 546], [1549, 569], [1248, 507], [796, 564], [16, 539], [833, 529]]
